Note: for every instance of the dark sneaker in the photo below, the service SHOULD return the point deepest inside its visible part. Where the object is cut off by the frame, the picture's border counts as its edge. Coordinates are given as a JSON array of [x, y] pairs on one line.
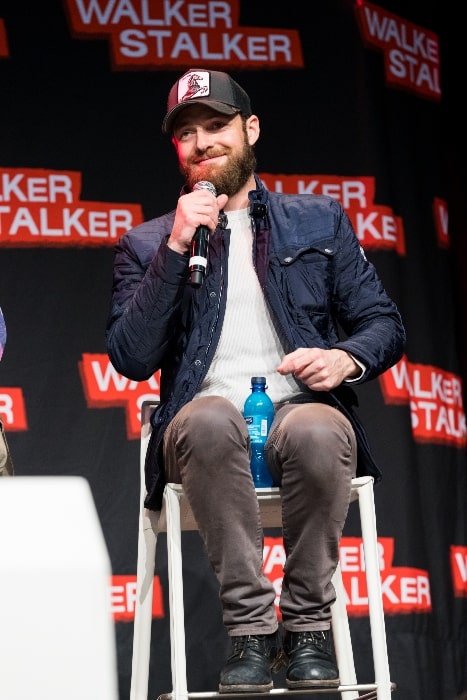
[[249, 667], [311, 662]]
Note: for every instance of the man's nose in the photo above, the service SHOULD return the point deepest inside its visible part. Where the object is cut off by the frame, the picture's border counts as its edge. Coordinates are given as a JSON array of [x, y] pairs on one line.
[[203, 139]]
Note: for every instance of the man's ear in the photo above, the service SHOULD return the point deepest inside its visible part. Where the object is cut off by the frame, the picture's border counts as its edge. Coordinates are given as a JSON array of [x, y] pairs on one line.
[[252, 129]]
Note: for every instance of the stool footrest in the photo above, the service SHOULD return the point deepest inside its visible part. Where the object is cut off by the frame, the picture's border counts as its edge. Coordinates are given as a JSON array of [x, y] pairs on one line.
[[370, 692]]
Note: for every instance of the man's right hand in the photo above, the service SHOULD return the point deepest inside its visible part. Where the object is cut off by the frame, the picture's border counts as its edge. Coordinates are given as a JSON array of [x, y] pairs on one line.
[[197, 208]]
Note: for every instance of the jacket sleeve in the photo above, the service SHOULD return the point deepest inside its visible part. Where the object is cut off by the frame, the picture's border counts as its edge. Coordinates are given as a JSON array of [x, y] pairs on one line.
[[368, 316], [147, 292]]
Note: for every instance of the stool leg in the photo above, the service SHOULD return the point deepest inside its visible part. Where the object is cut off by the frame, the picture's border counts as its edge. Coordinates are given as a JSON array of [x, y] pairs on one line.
[[342, 638], [147, 540], [375, 596], [176, 607]]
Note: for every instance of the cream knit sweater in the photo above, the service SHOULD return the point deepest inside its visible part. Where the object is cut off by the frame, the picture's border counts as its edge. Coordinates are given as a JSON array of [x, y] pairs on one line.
[[248, 345]]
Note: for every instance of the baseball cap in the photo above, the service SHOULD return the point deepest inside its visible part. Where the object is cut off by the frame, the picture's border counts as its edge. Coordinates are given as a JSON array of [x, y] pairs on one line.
[[209, 87]]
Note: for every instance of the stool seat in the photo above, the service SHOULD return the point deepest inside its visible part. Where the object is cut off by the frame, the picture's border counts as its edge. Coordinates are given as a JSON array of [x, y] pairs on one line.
[[174, 518]]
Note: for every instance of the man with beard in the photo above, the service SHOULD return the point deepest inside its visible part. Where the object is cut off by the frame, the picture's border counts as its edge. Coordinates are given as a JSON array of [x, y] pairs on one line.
[[288, 294]]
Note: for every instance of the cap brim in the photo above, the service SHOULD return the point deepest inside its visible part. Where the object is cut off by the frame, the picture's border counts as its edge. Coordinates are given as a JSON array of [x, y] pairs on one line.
[[220, 107]]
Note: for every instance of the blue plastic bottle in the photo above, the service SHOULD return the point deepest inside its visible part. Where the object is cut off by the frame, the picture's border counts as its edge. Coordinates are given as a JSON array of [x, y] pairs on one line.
[[258, 412]]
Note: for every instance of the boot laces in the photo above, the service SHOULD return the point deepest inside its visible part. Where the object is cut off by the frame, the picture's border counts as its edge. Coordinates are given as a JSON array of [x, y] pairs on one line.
[[251, 641], [316, 639], [241, 644]]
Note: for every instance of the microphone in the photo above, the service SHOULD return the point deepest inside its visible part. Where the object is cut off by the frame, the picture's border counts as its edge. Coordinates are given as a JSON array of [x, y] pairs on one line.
[[199, 244]]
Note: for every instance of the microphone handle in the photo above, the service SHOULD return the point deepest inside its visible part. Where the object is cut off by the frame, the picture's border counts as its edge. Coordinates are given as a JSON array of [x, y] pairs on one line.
[[199, 256]]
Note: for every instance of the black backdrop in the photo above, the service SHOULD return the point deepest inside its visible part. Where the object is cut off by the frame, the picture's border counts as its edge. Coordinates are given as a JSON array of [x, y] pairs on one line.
[[67, 108]]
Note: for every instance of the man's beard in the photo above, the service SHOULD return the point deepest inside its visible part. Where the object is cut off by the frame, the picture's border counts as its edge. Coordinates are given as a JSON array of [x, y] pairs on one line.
[[231, 178]]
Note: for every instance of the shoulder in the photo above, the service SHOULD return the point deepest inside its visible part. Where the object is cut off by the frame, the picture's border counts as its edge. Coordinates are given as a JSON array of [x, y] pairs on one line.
[[297, 205], [159, 225], [307, 217], [316, 205], [146, 237]]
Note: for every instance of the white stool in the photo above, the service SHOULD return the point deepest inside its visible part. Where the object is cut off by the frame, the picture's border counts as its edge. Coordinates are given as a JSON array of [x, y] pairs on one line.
[[175, 517]]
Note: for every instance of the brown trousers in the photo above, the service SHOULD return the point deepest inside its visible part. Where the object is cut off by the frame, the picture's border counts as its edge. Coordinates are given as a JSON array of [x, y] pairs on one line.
[[311, 453]]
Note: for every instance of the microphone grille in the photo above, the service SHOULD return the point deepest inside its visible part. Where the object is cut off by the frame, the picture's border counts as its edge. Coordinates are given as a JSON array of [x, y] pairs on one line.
[[205, 185]]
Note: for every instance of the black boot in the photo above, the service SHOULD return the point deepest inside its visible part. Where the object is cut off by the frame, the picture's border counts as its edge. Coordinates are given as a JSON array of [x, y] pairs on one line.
[[311, 661], [248, 668]]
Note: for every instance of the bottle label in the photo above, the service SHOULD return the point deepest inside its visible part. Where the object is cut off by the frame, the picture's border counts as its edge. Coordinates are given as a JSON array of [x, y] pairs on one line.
[[257, 427]]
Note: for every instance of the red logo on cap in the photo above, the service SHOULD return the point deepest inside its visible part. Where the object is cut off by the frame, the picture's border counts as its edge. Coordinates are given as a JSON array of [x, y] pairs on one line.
[[193, 85]]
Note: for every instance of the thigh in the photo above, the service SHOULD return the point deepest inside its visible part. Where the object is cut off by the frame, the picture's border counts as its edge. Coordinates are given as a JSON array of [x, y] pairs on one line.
[[310, 438], [203, 432]]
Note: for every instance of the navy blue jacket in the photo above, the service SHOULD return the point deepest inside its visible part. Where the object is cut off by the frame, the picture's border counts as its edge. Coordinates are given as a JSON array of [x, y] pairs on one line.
[[319, 286]]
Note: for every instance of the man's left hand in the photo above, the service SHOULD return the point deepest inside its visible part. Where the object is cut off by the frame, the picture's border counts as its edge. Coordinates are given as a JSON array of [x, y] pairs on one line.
[[320, 370]]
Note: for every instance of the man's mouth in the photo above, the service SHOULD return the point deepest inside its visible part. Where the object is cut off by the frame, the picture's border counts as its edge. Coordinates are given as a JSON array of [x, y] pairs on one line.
[[208, 158]]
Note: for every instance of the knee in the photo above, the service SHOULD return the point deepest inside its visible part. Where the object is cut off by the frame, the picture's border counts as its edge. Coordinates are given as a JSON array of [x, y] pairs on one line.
[[211, 413], [314, 439], [318, 424]]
